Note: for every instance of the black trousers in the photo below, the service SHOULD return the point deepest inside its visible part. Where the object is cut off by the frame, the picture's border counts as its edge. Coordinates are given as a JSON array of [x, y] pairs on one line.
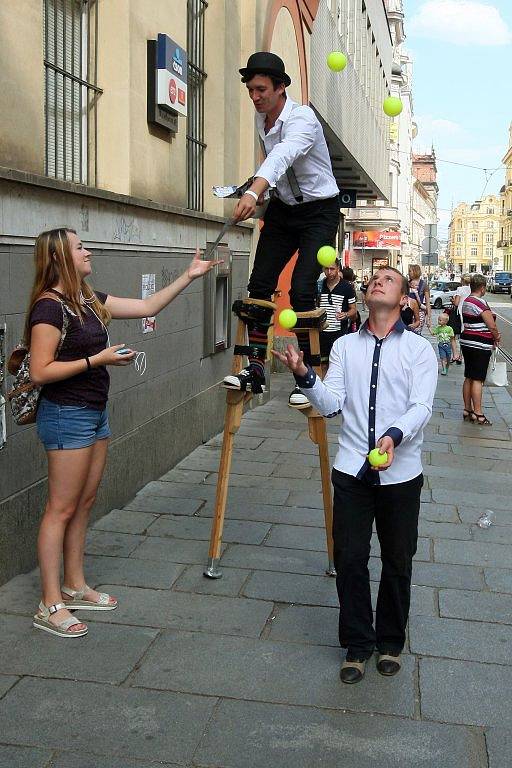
[[395, 509], [286, 229]]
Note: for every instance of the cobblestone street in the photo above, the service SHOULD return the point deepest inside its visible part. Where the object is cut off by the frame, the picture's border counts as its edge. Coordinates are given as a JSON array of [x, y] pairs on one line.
[[242, 672]]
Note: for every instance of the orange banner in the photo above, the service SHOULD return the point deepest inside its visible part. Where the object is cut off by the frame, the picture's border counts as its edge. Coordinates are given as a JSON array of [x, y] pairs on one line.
[[376, 238]]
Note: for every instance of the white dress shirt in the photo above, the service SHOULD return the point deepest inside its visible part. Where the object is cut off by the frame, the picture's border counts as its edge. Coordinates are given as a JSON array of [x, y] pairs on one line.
[[297, 139], [380, 386]]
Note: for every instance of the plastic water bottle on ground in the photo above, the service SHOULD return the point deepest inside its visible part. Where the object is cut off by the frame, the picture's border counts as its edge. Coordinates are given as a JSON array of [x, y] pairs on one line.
[[486, 520]]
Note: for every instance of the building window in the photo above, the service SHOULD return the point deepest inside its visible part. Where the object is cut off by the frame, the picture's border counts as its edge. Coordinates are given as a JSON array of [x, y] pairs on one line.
[[490, 210], [459, 238], [489, 238], [71, 91], [488, 251], [474, 238], [474, 224], [490, 225], [195, 118], [459, 252], [474, 252]]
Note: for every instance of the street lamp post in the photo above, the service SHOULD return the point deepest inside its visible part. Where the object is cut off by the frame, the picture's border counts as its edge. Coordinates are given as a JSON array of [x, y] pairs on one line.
[[364, 240]]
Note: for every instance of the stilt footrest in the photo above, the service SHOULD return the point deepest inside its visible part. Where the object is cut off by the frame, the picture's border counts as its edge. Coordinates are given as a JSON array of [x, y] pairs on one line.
[[316, 318], [254, 309]]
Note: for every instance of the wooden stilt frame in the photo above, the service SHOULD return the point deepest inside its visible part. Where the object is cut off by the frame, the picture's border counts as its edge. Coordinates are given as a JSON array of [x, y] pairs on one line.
[[235, 402], [318, 431]]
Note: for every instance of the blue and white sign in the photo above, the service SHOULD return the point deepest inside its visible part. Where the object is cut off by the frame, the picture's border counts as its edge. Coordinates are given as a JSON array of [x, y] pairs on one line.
[[171, 71]]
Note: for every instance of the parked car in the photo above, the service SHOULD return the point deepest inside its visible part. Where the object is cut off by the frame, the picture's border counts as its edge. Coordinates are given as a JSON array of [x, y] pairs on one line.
[[501, 282], [441, 292]]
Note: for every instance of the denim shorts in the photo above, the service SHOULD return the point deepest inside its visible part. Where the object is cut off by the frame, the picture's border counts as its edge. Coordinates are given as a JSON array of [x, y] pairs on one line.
[[445, 351], [62, 427]]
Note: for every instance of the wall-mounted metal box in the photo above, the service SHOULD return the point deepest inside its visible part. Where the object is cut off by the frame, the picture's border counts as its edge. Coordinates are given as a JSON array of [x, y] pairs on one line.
[[217, 286]]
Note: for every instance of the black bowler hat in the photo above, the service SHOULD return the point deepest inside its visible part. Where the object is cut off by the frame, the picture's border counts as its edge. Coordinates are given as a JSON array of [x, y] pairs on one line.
[[264, 63]]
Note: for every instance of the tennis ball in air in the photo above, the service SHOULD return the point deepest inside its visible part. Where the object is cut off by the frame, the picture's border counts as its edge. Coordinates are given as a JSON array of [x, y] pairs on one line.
[[287, 319], [377, 459], [326, 255], [337, 61], [392, 106]]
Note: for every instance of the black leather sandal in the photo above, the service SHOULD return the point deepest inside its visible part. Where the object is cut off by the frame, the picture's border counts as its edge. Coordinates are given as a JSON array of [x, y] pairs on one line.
[[481, 418]]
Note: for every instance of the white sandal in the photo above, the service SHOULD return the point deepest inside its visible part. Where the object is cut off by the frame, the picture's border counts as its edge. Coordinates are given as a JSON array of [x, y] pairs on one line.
[[78, 602], [42, 621]]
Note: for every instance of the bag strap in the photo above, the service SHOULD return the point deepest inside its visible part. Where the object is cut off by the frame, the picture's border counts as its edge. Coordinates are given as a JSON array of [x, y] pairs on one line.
[[290, 173], [65, 325]]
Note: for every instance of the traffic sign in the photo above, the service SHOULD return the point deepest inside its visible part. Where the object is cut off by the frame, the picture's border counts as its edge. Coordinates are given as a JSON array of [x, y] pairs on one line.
[[430, 244], [429, 259]]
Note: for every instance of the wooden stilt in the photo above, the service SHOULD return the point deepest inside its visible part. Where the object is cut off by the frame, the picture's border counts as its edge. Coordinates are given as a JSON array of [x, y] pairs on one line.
[[317, 429], [235, 402], [311, 322]]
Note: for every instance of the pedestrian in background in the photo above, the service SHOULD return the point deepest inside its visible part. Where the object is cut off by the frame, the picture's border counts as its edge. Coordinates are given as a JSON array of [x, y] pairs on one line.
[[349, 275], [337, 297], [419, 290], [455, 321], [410, 312], [445, 342], [363, 289], [478, 338]]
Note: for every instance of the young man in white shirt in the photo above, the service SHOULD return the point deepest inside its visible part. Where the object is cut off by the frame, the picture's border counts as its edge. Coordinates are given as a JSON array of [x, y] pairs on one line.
[[382, 380], [302, 215]]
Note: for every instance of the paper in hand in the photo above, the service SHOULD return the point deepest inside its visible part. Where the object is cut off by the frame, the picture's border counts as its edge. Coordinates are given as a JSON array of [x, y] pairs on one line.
[[233, 191]]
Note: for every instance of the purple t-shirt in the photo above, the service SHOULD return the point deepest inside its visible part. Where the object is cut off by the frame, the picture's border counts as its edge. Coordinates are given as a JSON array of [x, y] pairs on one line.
[[83, 339]]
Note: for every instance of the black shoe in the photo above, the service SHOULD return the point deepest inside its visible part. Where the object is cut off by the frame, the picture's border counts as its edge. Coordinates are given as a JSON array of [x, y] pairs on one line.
[[388, 664], [352, 671], [248, 380]]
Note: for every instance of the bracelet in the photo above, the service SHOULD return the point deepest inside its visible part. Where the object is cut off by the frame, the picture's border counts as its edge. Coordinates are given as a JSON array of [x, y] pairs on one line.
[[89, 366], [251, 193]]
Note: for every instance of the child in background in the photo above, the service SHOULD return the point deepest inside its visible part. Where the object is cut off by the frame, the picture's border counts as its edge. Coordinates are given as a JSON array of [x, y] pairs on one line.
[[445, 342]]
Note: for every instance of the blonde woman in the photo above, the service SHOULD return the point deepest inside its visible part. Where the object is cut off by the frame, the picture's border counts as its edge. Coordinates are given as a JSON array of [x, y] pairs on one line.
[[72, 420]]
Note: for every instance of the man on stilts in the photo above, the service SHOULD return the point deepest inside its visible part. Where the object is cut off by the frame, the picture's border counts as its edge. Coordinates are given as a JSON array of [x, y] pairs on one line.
[[302, 215]]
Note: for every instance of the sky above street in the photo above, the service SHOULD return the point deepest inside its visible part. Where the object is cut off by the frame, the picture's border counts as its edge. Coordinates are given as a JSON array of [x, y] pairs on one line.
[[461, 51]]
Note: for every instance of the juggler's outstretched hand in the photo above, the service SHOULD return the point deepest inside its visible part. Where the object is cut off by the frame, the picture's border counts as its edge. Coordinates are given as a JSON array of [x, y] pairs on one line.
[[198, 267], [293, 359]]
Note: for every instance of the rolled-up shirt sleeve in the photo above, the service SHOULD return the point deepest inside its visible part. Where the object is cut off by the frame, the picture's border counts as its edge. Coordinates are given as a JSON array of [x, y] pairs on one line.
[[299, 135], [327, 396], [422, 391]]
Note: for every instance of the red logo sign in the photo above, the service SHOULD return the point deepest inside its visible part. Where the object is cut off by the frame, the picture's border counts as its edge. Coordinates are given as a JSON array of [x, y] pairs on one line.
[[181, 96], [376, 238], [172, 91]]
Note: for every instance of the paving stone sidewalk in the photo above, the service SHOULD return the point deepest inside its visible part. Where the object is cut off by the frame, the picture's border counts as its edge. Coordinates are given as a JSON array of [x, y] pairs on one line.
[[243, 672]]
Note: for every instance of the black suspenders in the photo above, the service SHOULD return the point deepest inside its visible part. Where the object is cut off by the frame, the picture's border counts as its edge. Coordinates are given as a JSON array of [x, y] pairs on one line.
[[290, 173]]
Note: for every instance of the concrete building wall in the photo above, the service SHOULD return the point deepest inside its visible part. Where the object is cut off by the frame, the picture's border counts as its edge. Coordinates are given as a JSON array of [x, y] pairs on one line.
[[156, 419], [22, 89]]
